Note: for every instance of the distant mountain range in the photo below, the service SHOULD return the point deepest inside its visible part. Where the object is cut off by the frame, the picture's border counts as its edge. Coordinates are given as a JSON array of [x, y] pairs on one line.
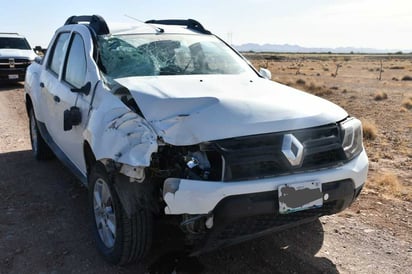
[[295, 48]]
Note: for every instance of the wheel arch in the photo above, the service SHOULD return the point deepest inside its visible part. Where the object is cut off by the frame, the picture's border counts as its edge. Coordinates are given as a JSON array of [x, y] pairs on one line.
[[89, 157]]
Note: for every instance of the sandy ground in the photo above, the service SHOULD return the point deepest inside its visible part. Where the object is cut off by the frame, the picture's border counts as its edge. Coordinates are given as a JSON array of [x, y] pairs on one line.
[[45, 227]]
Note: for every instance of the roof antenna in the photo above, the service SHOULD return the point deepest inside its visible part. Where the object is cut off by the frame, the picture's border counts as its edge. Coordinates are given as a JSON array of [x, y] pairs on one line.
[[156, 28]]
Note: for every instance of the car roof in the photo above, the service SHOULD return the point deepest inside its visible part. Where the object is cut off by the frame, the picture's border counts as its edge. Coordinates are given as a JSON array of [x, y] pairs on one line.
[[175, 26]]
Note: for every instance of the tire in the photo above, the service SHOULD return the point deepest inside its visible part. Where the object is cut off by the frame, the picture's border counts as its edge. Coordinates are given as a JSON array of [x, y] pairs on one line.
[[41, 150], [119, 239]]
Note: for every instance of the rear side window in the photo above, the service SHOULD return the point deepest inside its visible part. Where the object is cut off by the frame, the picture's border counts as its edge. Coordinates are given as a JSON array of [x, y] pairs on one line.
[[57, 55], [75, 70]]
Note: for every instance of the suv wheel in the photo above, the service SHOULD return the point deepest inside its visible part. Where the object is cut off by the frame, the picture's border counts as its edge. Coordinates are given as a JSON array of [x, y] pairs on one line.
[[41, 150], [119, 239]]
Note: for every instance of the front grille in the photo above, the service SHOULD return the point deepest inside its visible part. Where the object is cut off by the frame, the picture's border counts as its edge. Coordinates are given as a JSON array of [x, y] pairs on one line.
[[16, 60], [261, 156], [19, 63]]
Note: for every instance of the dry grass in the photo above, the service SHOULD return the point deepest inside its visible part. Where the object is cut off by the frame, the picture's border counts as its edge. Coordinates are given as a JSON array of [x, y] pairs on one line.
[[379, 96], [312, 88], [370, 132], [387, 182], [388, 185]]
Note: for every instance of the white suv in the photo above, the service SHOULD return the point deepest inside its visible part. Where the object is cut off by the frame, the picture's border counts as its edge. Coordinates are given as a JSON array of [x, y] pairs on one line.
[[164, 121], [15, 56]]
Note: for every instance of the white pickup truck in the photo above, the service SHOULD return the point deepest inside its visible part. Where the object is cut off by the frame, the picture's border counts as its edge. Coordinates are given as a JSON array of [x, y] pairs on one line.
[[15, 56], [165, 121]]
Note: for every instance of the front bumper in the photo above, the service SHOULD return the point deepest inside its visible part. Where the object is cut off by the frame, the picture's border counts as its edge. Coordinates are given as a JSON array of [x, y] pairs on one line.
[[12, 74], [195, 197], [13, 69]]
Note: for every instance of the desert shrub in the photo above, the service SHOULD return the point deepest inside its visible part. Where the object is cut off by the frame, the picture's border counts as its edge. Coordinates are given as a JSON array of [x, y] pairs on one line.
[[395, 79], [388, 182], [370, 131], [379, 96], [300, 82], [318, 90], [407, 103], [334, 88], [322, 92], [325, 69], [396, 67], [406, 78]]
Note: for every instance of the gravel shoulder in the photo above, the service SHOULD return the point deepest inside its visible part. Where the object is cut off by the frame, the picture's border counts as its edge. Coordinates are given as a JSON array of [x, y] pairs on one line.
[[45, 227]]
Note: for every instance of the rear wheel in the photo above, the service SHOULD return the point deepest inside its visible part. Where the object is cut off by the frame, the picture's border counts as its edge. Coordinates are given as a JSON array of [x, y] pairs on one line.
[[119, 238], [41, 150]]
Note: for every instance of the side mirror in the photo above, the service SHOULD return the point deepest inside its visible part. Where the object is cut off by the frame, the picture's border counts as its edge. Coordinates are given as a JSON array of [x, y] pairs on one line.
[[265, 73], [72, 117], [84, 89], [38, 60]]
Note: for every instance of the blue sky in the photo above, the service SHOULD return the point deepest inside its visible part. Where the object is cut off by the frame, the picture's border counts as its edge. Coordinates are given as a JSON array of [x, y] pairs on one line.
[[311, 23]]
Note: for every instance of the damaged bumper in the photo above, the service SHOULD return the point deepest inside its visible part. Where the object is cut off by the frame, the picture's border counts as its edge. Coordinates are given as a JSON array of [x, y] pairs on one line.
[[183, 196]]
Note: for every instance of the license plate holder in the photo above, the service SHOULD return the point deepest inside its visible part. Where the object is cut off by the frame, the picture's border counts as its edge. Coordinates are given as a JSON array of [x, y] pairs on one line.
[[300, 196]]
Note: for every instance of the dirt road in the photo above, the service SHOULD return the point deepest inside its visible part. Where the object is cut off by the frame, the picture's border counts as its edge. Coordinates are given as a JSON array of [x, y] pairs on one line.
[[45, 227]]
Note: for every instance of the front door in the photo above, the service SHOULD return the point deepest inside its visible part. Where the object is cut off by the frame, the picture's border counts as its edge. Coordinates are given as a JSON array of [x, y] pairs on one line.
[[61, 97]]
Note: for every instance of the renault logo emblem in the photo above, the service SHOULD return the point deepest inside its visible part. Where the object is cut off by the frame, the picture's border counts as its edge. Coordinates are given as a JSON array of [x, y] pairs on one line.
[[292, 149]]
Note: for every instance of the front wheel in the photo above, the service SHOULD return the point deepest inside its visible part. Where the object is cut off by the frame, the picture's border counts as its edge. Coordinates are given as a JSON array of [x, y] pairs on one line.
[[119, 238]]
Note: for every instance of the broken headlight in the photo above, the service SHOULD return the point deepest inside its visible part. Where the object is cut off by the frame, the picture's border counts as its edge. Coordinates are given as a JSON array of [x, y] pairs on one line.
[[352, 137]]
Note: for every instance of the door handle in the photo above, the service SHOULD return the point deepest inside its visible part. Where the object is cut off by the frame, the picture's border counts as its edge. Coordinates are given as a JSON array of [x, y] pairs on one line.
[[41, 84], [56, 98]]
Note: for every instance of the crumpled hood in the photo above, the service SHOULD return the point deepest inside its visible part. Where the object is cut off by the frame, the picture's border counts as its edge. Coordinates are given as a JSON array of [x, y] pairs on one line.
[[187, 110], [17, 53]]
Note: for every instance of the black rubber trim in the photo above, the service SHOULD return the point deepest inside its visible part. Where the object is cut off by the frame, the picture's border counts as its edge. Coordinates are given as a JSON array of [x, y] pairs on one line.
[[248, 216], [60, 154], [95, 22], [189, 23]]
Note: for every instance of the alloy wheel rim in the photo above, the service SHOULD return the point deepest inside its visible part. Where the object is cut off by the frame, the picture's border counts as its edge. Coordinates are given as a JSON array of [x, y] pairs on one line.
[[104, 213]]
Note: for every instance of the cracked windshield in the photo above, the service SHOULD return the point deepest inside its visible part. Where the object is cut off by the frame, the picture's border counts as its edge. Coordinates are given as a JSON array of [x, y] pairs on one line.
[[174, 54]]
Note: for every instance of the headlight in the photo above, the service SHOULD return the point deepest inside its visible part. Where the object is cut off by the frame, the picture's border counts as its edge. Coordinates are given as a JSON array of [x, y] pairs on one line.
[[352, 137]]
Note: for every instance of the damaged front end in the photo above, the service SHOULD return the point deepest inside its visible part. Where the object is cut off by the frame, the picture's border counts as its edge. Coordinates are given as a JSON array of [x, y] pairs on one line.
[[226, 191]]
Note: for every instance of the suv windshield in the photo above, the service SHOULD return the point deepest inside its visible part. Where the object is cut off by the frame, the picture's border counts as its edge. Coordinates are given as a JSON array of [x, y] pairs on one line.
[[13, 43], [167, 54]]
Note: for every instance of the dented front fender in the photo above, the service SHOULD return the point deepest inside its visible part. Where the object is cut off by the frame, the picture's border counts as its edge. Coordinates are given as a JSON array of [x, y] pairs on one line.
[[122, 136]]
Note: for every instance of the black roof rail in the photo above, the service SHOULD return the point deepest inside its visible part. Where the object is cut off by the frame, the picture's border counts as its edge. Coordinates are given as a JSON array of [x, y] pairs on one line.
[[189, 23], [96, 22]]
